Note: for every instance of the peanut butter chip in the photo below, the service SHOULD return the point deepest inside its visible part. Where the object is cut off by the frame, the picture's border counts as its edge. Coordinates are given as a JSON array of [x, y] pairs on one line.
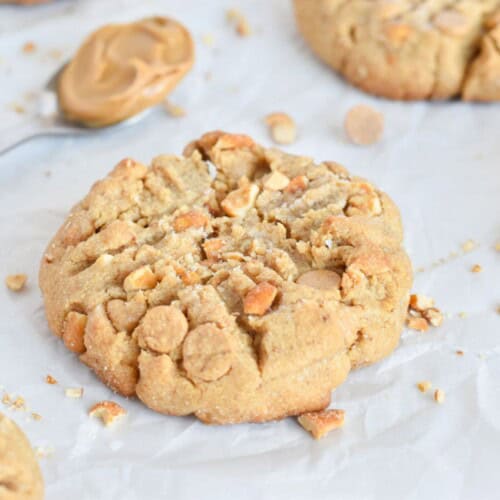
[[259, 299], [207, 352], [364, 125], [322, 279], [162, 329]]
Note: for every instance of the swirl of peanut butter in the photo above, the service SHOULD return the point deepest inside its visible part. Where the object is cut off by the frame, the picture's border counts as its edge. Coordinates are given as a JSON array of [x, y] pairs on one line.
[[122, 69]]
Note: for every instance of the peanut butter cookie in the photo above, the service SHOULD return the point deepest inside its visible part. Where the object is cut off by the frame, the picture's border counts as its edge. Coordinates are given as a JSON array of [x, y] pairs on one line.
[[20, 476], [236, 283], [408, 49]]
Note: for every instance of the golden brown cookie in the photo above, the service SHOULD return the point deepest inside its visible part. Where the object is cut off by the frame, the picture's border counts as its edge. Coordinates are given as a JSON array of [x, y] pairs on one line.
[[237, 283], [408, 49], [20, 476]]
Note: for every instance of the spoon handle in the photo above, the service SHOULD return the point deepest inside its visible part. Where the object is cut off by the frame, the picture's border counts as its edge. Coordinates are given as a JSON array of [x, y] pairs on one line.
[[19, 133]]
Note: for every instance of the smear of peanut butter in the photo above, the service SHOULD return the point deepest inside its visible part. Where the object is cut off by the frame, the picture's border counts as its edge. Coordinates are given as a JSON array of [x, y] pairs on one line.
[[122, 69]]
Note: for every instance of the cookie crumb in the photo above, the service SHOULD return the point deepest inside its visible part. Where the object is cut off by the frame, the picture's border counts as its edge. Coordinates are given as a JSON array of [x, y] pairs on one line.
[[469, 245], [282, 128], [476, 268], [424, 386], [462, 315], [174, 110], [433, 316], [497, 247], [74, 392], [107, 411], [459, 353], [320, 423], [498, 309], [239, 21], [49, 379], [16, 282], [439, 396], [364, 125], [6, 399], [36, 416], [421, 310], [19, 403], [29, 47]]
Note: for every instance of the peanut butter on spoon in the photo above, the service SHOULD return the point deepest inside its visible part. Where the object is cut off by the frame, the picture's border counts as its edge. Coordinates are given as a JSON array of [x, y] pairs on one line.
[[122, 69]]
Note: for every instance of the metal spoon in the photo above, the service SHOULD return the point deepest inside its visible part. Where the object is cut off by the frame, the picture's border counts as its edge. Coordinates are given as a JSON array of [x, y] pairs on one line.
[[52, 121]]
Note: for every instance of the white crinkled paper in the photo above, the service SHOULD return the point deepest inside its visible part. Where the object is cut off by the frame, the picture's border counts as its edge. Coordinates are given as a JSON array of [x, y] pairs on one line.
[[439, 161]]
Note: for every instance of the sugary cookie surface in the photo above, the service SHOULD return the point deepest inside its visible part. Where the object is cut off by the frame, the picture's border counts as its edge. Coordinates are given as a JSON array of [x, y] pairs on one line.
[[20, 476], [408, 49], [237, 283]]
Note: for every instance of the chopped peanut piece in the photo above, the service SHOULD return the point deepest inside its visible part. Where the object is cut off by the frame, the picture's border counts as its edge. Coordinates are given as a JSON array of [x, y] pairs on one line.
[[50, 380], [424, 386], [189, 220], [74, 392], [259, 299], [417, 323], [140, 279], [16, 282], [240, 22], [19, 403], [107, 411], [433, 316], [298, 183], [282, 128], [74, 330], [174, 110], [320, 423], [364, 125], [276, 181], [439, 396], [476, 268], [469, 245], [321, 279], [212, 247], [29, 47], [397, 33], [238, 202], [421, 302], [451, 22]]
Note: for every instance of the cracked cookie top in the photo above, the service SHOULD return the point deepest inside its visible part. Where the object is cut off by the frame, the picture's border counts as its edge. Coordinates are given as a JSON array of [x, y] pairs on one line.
[[409, 49], [236, 283]]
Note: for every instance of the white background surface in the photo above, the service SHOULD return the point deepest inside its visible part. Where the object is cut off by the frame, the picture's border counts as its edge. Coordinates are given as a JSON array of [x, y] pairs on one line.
[[440, 162]]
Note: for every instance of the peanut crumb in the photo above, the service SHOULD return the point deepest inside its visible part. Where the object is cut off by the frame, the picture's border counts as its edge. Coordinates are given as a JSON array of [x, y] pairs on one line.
[[74, 392], [439, 396], [469, 245], [107, 411], [174, 110], [29, 47], [420, 302], [239, 21], [417, 323], [424, 386], [476, 268], [320, 423], [364, 125], [49, 379], [208, 39], [433, 316], [16, 282], [19, 403], [282, 128], [259, 299]]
